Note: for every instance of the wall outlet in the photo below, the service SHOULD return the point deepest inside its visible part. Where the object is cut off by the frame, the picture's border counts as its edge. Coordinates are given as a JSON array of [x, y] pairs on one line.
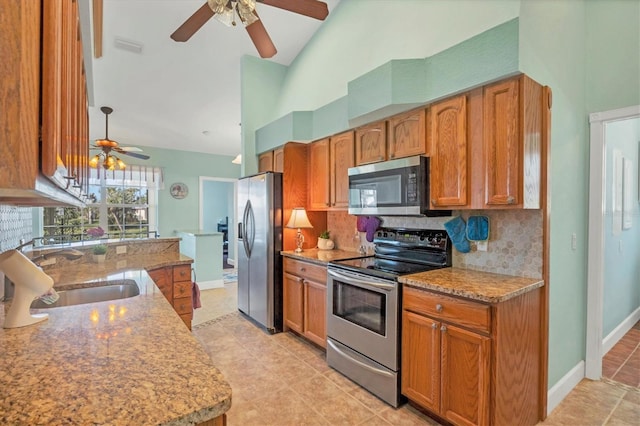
[[574, 241], [121, 249], [121, 264], [482, 245]]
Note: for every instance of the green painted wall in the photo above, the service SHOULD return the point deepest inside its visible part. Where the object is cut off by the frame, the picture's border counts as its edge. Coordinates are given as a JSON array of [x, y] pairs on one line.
[[613, 59], [260, 86], [185, 167], [552, 51]]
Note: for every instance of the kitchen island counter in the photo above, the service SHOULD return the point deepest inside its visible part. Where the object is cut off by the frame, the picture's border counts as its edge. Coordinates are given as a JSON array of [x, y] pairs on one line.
[[481, 286], [126, 361], [322, 257]]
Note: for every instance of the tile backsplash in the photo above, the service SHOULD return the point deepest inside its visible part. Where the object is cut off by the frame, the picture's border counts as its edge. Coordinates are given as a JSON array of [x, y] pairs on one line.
[[15, 223], [514, 247]]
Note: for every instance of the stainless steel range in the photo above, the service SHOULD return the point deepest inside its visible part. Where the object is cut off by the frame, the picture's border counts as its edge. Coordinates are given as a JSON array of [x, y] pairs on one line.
[[364, 304]]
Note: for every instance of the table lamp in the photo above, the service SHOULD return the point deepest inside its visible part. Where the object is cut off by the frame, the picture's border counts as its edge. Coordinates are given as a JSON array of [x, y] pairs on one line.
[[299, 220]]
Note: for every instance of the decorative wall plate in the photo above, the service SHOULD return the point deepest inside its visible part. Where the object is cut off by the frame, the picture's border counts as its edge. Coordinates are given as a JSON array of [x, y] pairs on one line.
[[179, 190]]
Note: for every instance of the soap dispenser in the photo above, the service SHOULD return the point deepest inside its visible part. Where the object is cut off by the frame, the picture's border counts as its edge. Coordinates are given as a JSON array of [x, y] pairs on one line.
[[30, 282]]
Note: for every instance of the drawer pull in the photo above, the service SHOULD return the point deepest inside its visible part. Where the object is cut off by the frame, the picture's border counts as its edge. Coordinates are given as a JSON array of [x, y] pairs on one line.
[[439, 308], [443, 328], [434, 325], [303, 269]]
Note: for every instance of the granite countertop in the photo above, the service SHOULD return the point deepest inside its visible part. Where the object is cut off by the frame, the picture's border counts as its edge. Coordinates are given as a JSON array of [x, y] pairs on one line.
[[127, 361], [476, 285], [322, 257]]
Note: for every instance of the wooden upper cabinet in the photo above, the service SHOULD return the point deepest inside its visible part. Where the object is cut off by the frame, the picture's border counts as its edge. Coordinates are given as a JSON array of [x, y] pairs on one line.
[[342, 158], [406, 134], [318, 178], [512, 128], [449, 163], [502, 143], [371, 143], [278, 160], [265, 162]]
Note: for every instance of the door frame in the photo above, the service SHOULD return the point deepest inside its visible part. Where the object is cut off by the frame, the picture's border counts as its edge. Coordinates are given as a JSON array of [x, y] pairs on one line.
[[201, 181], [595, 260]]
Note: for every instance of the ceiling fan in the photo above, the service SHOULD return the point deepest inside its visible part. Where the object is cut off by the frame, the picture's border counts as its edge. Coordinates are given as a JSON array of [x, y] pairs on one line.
[[106, 145], [226, 11]]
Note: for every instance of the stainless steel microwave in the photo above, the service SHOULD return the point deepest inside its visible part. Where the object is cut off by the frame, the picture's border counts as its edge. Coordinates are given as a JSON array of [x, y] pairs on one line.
[[392, 188]]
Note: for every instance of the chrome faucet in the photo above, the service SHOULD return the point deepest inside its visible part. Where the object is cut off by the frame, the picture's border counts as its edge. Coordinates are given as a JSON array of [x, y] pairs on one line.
[[67, 253]]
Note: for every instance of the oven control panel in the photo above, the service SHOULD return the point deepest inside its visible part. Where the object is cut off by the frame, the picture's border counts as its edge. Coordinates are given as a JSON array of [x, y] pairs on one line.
[[436, 239]]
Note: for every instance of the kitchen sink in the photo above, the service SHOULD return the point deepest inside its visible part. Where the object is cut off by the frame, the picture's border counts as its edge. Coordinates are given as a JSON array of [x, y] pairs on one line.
[[98, 292]]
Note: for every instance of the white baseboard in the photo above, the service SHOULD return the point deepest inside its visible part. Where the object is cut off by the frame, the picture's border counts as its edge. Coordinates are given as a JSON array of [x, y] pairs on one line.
[[208, 285], [564, 386], [618, 332]]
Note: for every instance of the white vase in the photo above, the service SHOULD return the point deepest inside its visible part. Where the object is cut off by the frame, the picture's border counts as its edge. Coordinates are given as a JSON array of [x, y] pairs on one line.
[[325, 244]]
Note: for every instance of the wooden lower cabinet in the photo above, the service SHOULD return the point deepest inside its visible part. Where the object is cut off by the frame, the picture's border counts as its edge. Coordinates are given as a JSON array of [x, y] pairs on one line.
[[472, 363], [304, 292], [175, 284]]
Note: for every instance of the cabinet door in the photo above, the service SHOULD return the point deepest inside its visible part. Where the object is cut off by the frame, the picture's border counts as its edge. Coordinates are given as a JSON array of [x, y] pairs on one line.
[[318, 175], [293, 293], [420, 373], [371, 143], [163, 277], [265, 162], [407, 134], [465, 376], [502, 144], [315, 312], [342, 157], [278, 160], [448, 133]]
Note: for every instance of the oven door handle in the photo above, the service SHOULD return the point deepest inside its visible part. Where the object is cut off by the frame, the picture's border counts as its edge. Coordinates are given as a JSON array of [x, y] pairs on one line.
[[357, 361], [359, 282]]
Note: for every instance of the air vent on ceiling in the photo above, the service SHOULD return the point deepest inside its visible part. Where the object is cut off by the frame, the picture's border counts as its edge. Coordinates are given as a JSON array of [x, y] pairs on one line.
[[128, 45]]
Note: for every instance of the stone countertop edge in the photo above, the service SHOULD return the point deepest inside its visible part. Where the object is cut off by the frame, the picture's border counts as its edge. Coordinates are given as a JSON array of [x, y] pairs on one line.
[[322, 257], [476, 285], [126, 361]]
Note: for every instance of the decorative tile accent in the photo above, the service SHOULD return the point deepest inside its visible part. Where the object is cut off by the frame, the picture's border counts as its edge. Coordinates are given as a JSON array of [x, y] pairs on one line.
[[515, 244], [15, 223]]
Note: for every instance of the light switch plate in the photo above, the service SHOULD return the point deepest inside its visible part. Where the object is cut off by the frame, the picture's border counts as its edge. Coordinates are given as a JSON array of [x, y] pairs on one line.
[[482, 245], [121, 249]]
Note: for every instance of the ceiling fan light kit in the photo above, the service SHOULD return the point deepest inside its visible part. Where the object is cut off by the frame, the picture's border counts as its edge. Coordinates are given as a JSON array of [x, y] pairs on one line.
[[226, 10], [106, 145]]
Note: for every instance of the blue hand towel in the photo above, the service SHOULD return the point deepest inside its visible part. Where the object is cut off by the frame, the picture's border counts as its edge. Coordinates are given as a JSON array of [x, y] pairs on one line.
[[456, 230], [478, 228]]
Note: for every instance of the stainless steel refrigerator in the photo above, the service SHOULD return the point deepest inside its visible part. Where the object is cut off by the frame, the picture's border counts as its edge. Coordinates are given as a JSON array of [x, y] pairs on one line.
[[259, 245]]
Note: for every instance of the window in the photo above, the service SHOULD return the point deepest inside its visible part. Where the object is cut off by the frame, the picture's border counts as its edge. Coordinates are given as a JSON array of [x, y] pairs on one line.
[[123, 203]]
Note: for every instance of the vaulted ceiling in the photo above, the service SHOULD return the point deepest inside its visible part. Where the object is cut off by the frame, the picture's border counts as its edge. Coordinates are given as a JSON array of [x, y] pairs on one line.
[[174, 95]]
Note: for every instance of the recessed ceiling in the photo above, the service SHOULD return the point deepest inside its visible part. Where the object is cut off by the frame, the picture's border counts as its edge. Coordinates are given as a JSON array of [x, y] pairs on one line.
[[170, 93]]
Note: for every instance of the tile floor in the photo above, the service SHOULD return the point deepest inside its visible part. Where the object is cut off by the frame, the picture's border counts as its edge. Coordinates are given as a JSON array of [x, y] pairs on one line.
[[283, 380], [622, 362]]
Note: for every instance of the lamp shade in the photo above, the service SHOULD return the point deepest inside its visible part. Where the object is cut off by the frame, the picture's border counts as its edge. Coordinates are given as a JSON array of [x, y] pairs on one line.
[[299, 219], [237, 160]]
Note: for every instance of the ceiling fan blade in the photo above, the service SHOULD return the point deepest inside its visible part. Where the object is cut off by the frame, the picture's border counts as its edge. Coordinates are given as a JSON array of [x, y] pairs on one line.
[[311, 8], [130, 148], [261, 39], [193, 24], [132, 154]]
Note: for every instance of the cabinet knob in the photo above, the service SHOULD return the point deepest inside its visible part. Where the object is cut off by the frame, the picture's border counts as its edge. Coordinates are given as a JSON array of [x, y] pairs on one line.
[[303, 269], [433, 202], [434, 325], [443, 328], [439, 308], [511, 200]]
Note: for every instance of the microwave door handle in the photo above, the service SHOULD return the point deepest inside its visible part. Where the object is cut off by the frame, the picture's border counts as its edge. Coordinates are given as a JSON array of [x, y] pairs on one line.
[[361, 282]]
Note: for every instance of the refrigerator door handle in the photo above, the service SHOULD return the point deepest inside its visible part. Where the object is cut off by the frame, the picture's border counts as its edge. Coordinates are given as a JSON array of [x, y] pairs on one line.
[[245, 221], [252, 221]]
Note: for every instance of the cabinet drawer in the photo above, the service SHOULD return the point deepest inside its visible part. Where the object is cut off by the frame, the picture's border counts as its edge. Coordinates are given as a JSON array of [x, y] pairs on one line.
[[462, 312], [182, 305], [306, 270], [182, 289], [182, 273]]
